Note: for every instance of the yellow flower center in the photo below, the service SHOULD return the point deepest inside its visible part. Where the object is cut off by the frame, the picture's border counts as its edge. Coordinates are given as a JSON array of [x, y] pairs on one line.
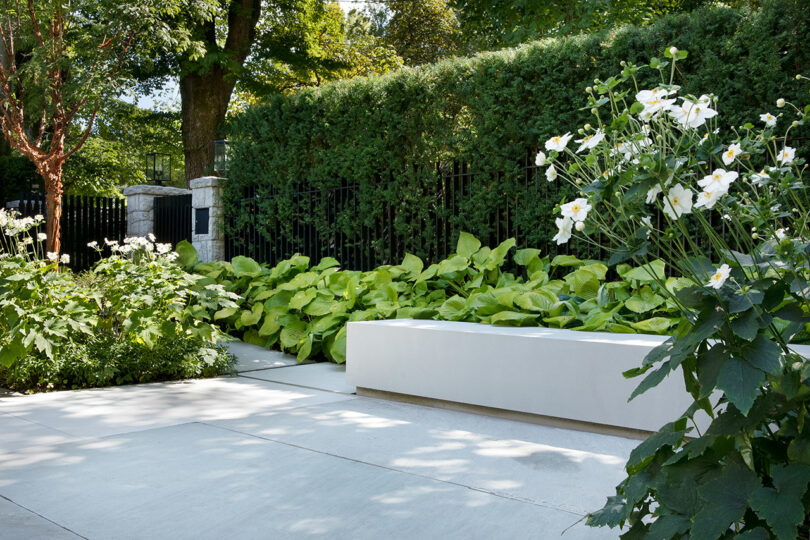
[[674, 200], [717, 277], [575, 208]]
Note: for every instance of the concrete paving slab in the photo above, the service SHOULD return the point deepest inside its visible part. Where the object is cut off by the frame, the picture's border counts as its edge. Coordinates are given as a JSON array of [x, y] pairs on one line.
[[18, 434], [252, 357], [321, 376], [122, 409], [198, 481], [568, 470], [17, 523]]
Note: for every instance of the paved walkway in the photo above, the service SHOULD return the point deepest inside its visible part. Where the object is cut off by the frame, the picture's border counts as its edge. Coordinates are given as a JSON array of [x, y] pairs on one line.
[[287, 451]]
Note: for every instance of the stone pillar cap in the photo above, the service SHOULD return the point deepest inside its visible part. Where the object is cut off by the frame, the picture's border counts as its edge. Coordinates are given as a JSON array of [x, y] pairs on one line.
[[156, 191]]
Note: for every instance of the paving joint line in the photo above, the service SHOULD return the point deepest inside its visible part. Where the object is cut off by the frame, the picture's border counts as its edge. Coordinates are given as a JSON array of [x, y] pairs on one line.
[[299, 385], [275, 367], [43, 517], [410, 473]]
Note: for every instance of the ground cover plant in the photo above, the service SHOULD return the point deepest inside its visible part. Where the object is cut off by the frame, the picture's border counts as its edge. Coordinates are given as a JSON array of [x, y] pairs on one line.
[[303, 309], [135, 317], [653, 149]]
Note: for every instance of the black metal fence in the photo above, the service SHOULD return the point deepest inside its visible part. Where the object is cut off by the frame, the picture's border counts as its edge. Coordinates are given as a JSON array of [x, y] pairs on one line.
[[84, 220], [363, 246], [173, 219]]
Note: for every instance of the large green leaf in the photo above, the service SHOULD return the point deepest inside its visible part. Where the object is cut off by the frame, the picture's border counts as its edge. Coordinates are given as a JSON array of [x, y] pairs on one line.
[[292, 333], [536, 301], [252, 316], [245, 266], [782, 506], [187, 254], [467, 245], [726, 499], [513, 318], [654, 325], [741, 382], [652, 271]]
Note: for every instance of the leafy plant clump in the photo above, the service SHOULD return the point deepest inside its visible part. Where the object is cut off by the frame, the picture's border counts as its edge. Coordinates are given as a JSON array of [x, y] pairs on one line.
[[304, 309], [135, 317], [657, 173]]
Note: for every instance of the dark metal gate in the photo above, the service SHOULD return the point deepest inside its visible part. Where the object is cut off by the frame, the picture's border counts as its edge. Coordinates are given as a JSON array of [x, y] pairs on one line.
[[84, 220], [173, 219]]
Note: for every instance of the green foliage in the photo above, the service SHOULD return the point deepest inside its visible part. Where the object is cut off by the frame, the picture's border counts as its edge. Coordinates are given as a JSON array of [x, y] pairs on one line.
[[387, 133], [54, 323], [303, 309], [422, 32], [18, 174], [108, 361], [491, 24], [114, 154]]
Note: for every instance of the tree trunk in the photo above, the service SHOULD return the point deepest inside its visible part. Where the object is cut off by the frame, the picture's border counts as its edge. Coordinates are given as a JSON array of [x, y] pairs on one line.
[[205, 101], [53, 205]]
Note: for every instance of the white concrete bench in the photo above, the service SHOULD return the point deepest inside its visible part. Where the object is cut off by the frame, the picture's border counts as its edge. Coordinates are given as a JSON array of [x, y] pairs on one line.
[[557, 374]]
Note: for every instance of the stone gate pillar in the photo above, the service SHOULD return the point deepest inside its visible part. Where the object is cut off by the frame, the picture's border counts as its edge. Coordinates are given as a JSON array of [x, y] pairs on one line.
[[207, 216]]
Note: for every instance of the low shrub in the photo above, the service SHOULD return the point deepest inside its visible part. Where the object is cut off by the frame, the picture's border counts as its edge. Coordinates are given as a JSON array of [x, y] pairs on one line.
[[135, 317], [109, 361]]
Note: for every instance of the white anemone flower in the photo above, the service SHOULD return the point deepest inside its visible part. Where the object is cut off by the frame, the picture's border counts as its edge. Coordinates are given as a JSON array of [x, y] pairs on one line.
[[92, 245], [693, 114], [731, 154], [559, 142], [590, 141], [563, 230], [42, 237], [781, 234], [678, 202], [577, 209], [719, 180], [654, 102], [760, 179], [768, 118], [786, 156], [52, 256], [652, 193], [539, 160], [707, 199], [719, 277], [551, 173], [64, 259]]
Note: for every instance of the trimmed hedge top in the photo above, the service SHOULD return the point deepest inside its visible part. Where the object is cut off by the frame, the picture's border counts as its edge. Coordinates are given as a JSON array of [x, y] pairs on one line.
[[386, 134]]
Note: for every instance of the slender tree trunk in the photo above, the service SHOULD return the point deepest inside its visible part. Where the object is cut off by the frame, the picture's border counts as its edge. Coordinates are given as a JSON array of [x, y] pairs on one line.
[[205, 101], [53, 204]]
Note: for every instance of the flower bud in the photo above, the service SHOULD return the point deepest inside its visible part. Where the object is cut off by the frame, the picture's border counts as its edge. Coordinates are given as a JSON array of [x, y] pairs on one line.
[[780, 103], [673, 51], [795, 123], [594, 111], [753, 229], [587, 127], [581, 131], [589, 89], [622, 63], [798, 77], [580, 226], [754, 236]]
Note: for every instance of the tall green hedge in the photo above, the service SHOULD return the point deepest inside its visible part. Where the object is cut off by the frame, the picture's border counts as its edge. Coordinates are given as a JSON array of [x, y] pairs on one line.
[[387, 133]]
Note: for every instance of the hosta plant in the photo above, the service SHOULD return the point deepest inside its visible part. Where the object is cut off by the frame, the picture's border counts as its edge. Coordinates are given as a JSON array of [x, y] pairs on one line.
[[727, 210], [304, 309]]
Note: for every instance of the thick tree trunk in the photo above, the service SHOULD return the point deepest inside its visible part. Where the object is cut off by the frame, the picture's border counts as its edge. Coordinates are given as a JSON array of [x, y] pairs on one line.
[[205, 101], [206, 87]]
